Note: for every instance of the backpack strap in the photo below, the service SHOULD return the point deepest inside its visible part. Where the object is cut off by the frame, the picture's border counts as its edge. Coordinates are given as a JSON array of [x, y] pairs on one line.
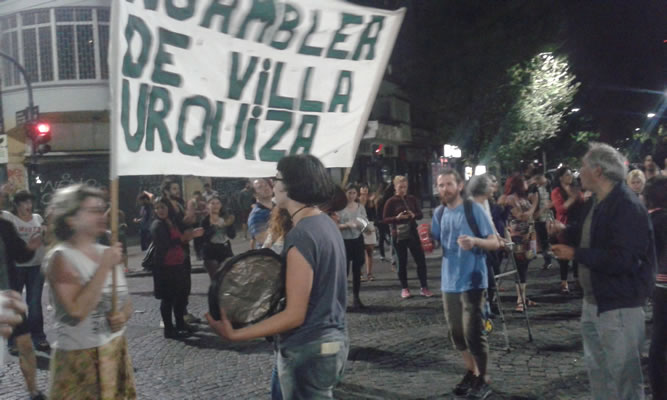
[[439, 211], [467, 209]]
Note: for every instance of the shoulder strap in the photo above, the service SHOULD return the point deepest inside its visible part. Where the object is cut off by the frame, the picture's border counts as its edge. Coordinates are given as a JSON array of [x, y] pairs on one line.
[[439, 211], [467, 209]]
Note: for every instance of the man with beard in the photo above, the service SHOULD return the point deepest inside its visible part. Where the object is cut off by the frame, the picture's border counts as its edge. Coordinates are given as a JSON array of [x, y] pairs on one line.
[[184, 219], [464, 279]]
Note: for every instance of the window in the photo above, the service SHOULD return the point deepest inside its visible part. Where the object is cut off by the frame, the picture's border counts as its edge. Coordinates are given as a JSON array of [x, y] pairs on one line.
[[46, 57], [104, 50], [66, 60], [80, 36], [30, 54]]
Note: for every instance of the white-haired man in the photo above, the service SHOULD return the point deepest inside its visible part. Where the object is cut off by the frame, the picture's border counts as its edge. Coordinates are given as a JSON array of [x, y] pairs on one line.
[[616, 259]]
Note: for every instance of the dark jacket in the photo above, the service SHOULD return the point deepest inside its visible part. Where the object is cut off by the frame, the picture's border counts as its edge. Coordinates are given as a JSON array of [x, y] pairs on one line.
[[621, 255], [659, 220], [395, 205], [162, 240], [15, 250]]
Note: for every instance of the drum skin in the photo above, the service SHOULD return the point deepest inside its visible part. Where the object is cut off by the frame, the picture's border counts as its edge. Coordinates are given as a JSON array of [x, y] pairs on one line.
[[249, 287]]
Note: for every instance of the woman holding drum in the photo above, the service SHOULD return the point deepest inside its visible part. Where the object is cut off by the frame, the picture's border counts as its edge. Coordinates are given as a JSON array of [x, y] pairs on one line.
[[351, 221], [311, 332]]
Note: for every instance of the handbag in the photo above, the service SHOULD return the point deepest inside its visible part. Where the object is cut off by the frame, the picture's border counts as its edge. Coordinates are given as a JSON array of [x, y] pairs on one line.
[[149, 258], [403, 231]]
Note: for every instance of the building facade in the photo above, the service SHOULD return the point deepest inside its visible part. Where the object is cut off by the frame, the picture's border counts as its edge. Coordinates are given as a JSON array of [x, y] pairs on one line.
[[63, 46]]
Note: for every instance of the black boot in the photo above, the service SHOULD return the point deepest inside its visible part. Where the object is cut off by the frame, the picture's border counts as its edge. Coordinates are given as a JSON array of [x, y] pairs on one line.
[[357, 304]]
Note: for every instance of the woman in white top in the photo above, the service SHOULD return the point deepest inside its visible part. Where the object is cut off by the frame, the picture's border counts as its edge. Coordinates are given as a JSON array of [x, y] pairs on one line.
[[90, 357], [350, 224]]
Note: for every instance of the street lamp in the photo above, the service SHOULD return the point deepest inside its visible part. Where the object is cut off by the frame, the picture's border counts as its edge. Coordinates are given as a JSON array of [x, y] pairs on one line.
[[650, 115], [576, 110]]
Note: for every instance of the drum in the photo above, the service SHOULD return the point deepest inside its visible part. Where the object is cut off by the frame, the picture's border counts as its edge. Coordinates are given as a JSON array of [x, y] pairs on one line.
[[249, 287], [425, 237], [362, 224], [370, 239]]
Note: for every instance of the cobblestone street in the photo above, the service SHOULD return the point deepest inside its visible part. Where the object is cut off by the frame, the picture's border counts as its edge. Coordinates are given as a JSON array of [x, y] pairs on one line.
[[399, 348]]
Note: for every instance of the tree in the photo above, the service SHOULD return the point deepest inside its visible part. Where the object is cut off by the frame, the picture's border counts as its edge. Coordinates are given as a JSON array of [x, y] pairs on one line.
[[546, 88]]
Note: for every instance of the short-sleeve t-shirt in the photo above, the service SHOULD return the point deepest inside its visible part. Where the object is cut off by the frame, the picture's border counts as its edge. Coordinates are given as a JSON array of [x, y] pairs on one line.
[[26, 230], [319, 241], [461, 270]]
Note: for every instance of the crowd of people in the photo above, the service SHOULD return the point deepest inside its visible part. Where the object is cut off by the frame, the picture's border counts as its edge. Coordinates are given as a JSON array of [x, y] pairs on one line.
[[608, 226]]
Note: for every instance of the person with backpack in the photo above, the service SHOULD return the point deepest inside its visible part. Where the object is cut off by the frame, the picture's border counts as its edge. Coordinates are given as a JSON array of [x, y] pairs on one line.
[[464, 278]]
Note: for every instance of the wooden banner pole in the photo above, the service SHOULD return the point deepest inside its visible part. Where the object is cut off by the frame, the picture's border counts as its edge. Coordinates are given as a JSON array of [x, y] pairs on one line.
[[114, 239], [346, 177]]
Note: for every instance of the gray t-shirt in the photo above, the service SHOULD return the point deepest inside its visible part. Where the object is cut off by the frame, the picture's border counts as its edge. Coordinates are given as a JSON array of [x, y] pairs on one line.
[[584, 272], [346, 216], [319, 241]]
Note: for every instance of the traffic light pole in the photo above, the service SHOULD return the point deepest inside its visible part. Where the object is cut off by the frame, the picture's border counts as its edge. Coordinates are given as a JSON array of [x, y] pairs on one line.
[[32, 166], [28, 83]]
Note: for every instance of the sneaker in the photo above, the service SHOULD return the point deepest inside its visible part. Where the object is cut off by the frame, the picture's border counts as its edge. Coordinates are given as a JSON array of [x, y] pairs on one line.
[[191, 319], [479, 389], [462, 388], [405, 294], [426, 293], [547, 266]]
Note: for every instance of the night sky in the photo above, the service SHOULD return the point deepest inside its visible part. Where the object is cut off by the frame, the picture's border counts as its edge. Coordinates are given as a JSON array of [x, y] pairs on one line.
[[450, 52], [618, 51]]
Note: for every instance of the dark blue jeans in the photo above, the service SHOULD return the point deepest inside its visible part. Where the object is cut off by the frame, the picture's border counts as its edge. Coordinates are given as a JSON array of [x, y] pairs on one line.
[[657, 359], [32, 279]]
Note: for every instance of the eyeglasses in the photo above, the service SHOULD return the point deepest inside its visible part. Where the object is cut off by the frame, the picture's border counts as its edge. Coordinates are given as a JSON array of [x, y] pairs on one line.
[[275, 178]]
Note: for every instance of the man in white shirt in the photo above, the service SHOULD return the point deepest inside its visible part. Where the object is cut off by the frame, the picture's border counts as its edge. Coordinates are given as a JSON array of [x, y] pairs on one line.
[[28, 273]]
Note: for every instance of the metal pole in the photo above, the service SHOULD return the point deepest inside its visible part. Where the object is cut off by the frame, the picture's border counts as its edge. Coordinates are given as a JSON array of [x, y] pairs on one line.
[[28, 84], [32, 166]]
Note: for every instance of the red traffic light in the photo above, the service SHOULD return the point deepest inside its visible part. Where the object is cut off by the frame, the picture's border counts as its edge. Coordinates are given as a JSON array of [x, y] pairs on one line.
[[43, 128], [38, 132]]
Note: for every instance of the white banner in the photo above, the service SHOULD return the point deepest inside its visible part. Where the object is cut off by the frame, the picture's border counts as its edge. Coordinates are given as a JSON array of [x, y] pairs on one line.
[[228, 87]]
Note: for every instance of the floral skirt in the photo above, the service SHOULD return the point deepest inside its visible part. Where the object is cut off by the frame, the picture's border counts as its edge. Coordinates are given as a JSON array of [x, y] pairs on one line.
[[100, 373]]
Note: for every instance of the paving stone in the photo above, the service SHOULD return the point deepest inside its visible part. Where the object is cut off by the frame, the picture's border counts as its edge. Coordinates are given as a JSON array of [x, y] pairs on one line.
[[399, 348]]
